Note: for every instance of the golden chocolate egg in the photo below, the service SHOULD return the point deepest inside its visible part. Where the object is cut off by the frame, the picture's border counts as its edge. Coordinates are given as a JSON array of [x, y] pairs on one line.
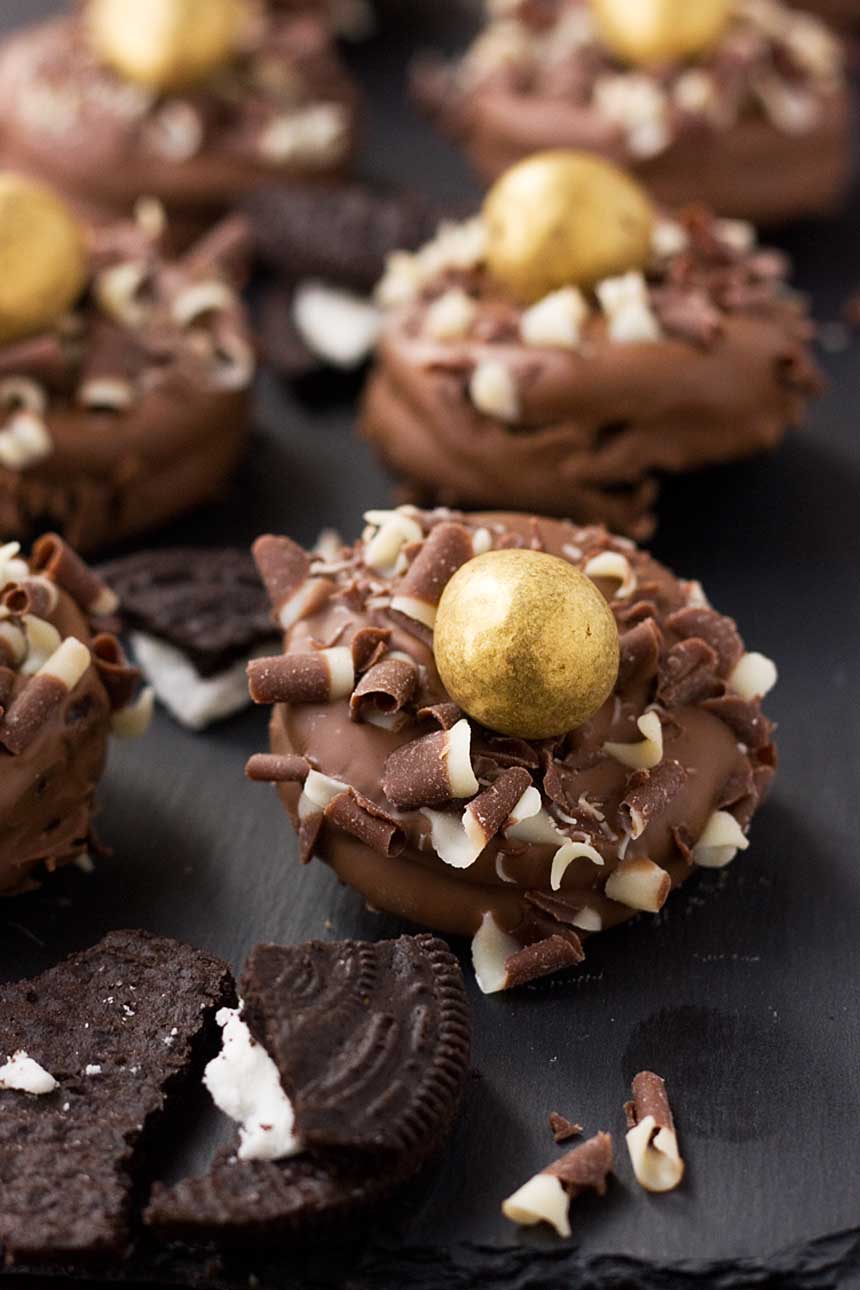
[[43, 257], [525, 643], [565, 218], [165, 44], [651, 32]]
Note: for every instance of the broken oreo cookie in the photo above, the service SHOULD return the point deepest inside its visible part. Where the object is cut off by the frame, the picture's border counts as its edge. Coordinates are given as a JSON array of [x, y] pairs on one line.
[[94, 1049], [195, 615], [344, 1068]]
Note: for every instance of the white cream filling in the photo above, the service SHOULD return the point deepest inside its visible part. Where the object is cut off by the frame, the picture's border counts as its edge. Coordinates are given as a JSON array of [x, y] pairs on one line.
[[195, 701], [244, 1083]]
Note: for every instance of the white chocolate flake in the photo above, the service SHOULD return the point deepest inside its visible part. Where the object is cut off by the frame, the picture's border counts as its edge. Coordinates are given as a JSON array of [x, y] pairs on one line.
[[654, 1155], [616, 567], [556, 320], [387, 534], [419, 610], [646, 754], [624, 301], [541, 1200], [458, 759], [341, 670], [493, 390], [491, 949], [720, 841], [754, 676], [135, 718], [451, 316], [565, 857], [639, 884]]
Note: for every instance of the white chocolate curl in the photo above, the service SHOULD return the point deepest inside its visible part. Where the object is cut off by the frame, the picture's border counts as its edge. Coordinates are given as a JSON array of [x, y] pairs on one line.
[[566, 855], [541, 1200], [645, 755], [43, 640], [556, 320], [639, 884], [493, 390], [754, 676], [68, 663], [451, 316], [388, 533], [417, 609], [615, 566], [135, 718], [654, 1156], [491, 949], [721, 839]]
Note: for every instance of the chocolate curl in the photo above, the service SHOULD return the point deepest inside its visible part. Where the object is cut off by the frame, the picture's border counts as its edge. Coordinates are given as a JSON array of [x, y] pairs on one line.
[[705, 624], [369, 644], [119, 677], [52, 556], [648, 794], [651, 1138], [639, 653], [448, 546], [34, 706], [640, 884], [285, 570], [553, 953], [546, 1197], [358, 816], [272, 768], [321, 677], [432, 770], [384, 690], [491, 809], [36, 596], [688, 674]]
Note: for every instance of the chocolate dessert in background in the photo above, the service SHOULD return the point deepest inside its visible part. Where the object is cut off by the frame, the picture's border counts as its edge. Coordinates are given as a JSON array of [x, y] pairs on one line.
[[740, 104], [522, 755], [124, 375], [344, 1066], [93, 1053], [564, 348], [65, 684], [192, 102]]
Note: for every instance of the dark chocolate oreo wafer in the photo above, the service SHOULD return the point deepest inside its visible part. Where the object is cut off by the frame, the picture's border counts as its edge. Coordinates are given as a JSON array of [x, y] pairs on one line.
[[207, 602], [94, 1051], [371, 1043]]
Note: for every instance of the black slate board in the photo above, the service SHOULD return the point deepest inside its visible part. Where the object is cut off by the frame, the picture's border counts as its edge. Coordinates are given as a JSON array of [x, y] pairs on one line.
[[743, 993]]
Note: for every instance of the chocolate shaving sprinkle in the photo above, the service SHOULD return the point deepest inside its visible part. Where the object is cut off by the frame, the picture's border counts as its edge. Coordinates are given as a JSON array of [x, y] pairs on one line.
[[291, 678], [357, 815], [369, 644], [640, 649], [563, 1129], [543, 958], [119, 677], [445, 715], [744, 718], [714, 629], [492, 808], [649, 793], [275, 768], [585, 1167], [283, 565], [418, 774], [688, 674]]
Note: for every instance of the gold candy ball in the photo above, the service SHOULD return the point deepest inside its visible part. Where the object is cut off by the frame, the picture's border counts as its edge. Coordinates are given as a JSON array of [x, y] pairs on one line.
[[165, 44], [565, 218], [525, 643], [43, 257], [650, 32]]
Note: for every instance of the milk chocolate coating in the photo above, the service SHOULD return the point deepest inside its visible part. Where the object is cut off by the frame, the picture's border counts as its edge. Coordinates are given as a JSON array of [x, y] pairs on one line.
[[575, 776], [598, 423], [47, 789], [112, 473], [733, 157], [70, 120]]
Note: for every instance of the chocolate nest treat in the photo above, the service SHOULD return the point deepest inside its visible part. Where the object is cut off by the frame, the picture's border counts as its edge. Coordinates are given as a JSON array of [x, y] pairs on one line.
[[587, 732], [194, 616], [92, 1054], [344, 1066], [64, 685], [742, 104], [124, 376], [194, 102], [563, 348]]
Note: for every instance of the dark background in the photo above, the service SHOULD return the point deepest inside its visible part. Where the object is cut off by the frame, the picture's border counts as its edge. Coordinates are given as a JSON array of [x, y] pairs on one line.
[[742, 993]]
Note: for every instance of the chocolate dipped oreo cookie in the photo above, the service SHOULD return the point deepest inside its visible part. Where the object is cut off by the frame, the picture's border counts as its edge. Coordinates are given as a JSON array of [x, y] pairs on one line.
[[92, 1054], [566, 346], [194, 616], [65, 685], [343, 1065], [124, 375], [193, 102], [510, 728], [740, 104]]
